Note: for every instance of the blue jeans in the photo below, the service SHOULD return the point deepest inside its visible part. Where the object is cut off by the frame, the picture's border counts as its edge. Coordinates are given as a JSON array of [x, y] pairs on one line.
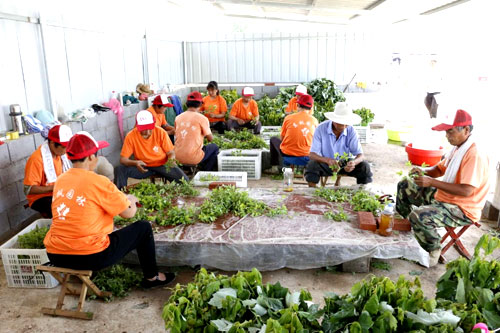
[[123, 173], [209, 161]]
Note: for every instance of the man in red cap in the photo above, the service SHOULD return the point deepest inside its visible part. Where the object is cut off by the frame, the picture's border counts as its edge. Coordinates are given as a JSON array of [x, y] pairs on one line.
[[245, 113], [44, 166], [151, 148], [160, 104], [296, 135], [81, 235], [191, 128], [454, 201]]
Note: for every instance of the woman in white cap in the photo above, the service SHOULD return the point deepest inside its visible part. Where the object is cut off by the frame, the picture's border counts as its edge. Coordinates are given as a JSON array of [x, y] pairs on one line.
[[332, 139], [292, 104], [44, 166], [245, 113]]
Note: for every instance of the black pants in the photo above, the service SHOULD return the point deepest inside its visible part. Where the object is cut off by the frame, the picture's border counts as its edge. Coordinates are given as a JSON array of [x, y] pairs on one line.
[[275, 150], [43, 206], [233, 125], [123, 173], [315, 170], [209, 161], [219, 126], [138, 235]]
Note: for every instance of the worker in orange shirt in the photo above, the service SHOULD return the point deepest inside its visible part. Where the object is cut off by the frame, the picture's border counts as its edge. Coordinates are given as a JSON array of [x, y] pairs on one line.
[[151, 148], [81, 235], [44, 166], [190, 130], [160, 104], [245, 113], [214, 107], [292, 104], [296, 134]]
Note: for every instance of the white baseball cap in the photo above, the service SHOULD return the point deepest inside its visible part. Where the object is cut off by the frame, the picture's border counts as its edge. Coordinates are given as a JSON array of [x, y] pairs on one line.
[[301, 90], [247, 91], [144, 120]]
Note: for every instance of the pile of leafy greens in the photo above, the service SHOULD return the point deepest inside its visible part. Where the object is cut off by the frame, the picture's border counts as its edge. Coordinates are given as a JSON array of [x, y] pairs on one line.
[[117, 279], [243, 139], [33, 239], [239, 303]]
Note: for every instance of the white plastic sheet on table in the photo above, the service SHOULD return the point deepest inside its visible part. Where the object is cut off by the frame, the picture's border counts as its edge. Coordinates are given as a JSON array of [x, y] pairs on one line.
[[302, 240]]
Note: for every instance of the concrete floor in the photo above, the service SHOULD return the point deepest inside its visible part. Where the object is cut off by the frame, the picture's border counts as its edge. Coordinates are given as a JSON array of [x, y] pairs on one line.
[[141, 310]]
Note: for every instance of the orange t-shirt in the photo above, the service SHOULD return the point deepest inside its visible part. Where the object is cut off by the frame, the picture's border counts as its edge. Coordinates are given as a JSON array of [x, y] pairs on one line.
[[217, 106], [83, 207], [292, 105], [297, 134], [159, 118], [245, 112], [190, 130], [152, 151], [473, 171], [34, 174]]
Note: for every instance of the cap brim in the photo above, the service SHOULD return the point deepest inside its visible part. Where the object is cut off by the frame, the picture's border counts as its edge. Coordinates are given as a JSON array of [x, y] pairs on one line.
[[248, 95], [102, 144], [299, 93], [64, 144], [145, 127], [442, 127], [352, 120], [168, 105]]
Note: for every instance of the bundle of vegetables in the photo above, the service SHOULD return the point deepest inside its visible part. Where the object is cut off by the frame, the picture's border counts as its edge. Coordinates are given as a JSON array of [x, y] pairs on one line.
[[238, 303], [472, 288], [117, 279], [33, 239], [366, 115], [377, 304], [243, 139], [228, 199], [360, 200]]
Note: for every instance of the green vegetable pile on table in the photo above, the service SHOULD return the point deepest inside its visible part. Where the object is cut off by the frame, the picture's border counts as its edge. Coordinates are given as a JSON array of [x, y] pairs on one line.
[[238, 303], [33, 239], [243, 139], [209, 178], [117, 279], [360, 200]]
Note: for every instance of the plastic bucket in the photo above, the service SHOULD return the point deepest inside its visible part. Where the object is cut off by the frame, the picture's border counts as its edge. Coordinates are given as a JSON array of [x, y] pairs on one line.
[[420, 156], [399, 134]]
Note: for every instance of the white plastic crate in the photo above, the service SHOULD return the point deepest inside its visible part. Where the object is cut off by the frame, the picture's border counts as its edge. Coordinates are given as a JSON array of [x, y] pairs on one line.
[[223, 176], [363, 133], [267, 132], [250, 162], [20, 264]]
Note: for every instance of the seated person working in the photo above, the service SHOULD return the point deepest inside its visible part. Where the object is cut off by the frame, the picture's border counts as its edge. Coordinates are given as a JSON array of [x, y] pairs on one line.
[[454, 201], [296, 134], [44, 166], [160, 104], [337, 136], [191, 128], [81, 235], [151, 148], [214, 107], [245, 113], [292, 104]]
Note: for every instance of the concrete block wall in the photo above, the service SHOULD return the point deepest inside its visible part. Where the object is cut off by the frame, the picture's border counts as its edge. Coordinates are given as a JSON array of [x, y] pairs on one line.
[[15, 153]]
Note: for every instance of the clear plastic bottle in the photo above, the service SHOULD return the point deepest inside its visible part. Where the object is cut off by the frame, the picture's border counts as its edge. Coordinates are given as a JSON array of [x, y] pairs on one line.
[[386, 220], [287, 179]]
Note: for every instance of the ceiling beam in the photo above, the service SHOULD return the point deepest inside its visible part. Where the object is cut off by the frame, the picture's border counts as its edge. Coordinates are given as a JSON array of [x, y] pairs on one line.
[[290, 6], [273, 18], [313, 5], [443, 7]]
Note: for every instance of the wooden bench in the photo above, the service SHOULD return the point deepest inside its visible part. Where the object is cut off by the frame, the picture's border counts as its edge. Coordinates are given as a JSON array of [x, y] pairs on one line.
[[63, 275]]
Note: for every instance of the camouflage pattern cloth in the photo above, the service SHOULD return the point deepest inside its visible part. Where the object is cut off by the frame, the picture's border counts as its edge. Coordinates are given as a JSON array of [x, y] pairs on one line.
[[426, 214]]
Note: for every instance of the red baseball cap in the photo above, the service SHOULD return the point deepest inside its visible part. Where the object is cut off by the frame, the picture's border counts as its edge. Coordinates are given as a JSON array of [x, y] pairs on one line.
[[162, 100], [462, 118], [60, 134], [305, 100], [144, 120], [82, 144], [195, 96]]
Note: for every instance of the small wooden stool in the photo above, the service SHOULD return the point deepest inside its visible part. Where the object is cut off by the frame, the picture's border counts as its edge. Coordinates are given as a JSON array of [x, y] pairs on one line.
[[324, 180], [190, 169], [153, 179], [455, 240], [62, 275]]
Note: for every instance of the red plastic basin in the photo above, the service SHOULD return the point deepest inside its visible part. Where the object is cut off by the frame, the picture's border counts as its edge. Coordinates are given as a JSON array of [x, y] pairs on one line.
[[419, 156]]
